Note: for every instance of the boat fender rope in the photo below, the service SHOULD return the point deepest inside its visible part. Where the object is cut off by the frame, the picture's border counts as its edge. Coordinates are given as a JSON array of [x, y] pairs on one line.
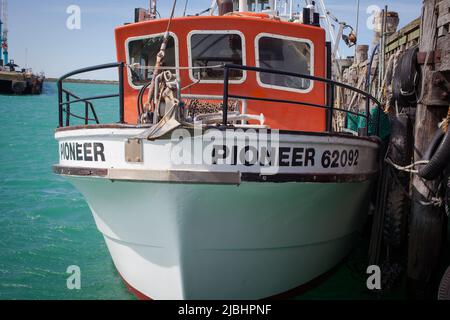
[[435, 158], [434, 201], [445, 123], [408, 168]]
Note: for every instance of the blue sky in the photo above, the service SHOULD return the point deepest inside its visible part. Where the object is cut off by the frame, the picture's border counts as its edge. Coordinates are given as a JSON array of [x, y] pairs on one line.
[[39, 28]]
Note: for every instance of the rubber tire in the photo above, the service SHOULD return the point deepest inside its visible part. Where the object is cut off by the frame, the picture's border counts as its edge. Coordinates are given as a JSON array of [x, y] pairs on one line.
[[444, 287], [390, 275], [447, 193], [438, 161], [433, 145], [397, 203], [396, 86], [400, 143], [396, 217], [18, 87], [410, 75]]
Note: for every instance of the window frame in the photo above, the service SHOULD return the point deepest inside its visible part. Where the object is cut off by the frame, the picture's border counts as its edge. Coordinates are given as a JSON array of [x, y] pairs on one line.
[[282, 37], [244, 56], [156, 35]]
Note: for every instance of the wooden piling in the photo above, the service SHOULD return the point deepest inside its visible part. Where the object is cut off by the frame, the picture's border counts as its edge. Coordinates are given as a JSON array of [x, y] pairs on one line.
[[427, 221]]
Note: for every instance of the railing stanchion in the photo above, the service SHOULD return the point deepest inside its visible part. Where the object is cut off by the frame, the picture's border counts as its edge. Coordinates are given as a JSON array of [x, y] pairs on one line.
[[225, 96], [367, 116], [67, 110], [121, 97], [328, 86], [60, 106], [86, 113], [378, 127], [93, 112], [331, 108]]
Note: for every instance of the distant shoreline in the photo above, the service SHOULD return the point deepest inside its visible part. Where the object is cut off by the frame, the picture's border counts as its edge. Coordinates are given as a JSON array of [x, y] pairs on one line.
[[84, 81]]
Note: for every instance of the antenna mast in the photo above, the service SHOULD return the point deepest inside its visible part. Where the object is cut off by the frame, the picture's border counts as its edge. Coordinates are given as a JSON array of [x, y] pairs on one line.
[[1, 27], [153, 11], [4, 31], [212, 7], [329, 25]]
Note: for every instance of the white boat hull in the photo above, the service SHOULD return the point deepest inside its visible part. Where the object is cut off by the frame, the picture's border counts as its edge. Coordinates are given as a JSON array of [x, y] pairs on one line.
[[232, 242], [212, 240]]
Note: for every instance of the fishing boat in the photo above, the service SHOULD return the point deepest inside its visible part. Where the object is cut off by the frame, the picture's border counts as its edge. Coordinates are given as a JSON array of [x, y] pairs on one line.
[[224, 177]]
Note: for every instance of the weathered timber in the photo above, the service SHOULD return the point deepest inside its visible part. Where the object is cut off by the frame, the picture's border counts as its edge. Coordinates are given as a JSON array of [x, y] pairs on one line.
[[407, 36], [427, 221], [437, 86]]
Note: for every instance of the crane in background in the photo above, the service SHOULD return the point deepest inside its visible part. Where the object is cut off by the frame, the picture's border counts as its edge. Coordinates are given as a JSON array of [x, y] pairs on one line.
[[4, 32]]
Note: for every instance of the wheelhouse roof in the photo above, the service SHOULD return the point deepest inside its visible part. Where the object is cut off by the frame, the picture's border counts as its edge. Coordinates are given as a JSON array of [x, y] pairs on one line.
[[229, 22]]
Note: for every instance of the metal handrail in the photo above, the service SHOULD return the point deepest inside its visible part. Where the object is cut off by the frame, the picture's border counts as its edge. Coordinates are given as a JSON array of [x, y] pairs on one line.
[[106, 96], [226, 95], [330, 107], [88, 105], [79, 117], [87, 101]]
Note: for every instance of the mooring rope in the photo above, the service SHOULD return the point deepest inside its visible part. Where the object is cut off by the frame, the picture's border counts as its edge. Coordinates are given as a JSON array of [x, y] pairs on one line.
[[408, 168], [444, 125], [434, 200], [149, 107]]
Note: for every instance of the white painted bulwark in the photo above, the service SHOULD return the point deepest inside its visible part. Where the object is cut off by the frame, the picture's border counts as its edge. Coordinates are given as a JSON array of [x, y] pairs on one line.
[[300, 154], [241, 232]]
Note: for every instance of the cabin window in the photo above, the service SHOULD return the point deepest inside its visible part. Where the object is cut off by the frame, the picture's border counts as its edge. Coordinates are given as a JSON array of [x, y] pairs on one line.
[[210, 49], [143, 51], [284, 54]]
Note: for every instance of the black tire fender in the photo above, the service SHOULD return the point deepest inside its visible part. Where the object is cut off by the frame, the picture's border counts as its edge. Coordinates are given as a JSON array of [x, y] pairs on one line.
[[447, 191], [444, 287], [397, 202], [18, 87], [396, 85], [438, 155], [410, 76], [407, 78]]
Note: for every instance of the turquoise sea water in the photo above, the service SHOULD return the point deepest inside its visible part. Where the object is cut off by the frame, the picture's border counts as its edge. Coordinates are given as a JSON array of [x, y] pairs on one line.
[[45, 225]]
